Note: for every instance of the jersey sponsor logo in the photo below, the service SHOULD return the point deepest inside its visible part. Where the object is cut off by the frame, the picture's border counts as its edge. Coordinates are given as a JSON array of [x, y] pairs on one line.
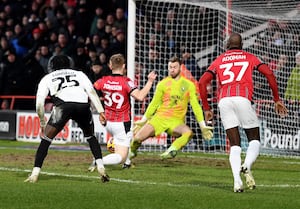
[[112, 87], [233, 57]]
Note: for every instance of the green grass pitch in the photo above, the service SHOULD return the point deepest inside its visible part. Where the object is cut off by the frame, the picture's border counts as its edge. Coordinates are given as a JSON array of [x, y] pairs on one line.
[[189, 181]]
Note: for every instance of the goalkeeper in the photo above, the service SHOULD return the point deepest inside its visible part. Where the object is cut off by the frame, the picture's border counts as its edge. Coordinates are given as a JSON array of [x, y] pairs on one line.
[[167, 110]]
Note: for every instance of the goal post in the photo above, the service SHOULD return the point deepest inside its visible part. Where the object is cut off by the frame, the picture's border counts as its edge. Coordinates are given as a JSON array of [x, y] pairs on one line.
[[196, 31]]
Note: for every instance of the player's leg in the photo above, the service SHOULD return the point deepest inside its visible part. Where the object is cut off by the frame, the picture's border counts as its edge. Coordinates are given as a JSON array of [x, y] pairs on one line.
[[254, 146], [250, 123], [183, 135], [122, 135], [231, 122], [53, 127], [251, 155], [235, 157], [144, 133], [83, 116], [127, 163]]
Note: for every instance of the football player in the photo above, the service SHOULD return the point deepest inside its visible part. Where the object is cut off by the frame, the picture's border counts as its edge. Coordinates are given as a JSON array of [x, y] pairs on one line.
[[69, 90]]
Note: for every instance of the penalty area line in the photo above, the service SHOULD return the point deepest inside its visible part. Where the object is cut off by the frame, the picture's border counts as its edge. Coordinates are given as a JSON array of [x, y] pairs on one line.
[[134, 181]]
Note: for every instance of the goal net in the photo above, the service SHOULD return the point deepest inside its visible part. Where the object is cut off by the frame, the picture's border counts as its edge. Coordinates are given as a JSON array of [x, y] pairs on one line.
[[196, 31]]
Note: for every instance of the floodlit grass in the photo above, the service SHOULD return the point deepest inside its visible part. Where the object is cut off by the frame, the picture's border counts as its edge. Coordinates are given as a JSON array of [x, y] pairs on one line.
[[189, 181]]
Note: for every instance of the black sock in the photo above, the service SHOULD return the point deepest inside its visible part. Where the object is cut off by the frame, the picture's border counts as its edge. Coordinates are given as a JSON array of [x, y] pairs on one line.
[[95, 147], [41, 153]]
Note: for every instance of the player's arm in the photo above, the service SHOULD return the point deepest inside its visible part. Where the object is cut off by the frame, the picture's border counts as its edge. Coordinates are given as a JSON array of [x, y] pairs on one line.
[[41, 95], [206, 130], [280, 108], [140, 94], [267, 72], [203, 83], [151, 109], [94, 98], [195, 104]]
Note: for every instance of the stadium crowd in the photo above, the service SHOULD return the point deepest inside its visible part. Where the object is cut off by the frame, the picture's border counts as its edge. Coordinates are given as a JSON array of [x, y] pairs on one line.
[[90, 31], [32, 31]]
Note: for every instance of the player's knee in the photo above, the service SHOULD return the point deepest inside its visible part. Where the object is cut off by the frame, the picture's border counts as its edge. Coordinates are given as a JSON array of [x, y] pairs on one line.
[[189, 134]]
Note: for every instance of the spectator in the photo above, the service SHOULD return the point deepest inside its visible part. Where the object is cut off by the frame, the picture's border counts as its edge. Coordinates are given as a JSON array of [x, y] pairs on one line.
[[20, 50], [110, 19], [293, 85], [96, 42], [80, 57], [99, 13], [13, 77], [42, 56], [98, 71], [100, 28], [120, 21], [83, 20], [34, 26], [63, 44], [118, 47], [282, 73]]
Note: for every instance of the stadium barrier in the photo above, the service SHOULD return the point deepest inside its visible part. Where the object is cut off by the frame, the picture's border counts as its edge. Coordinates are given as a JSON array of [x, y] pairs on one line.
[[279, 136], [8, 125]]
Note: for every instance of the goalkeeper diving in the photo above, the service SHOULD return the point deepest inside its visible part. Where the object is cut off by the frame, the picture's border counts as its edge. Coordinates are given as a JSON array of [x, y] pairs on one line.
[[167, 111]]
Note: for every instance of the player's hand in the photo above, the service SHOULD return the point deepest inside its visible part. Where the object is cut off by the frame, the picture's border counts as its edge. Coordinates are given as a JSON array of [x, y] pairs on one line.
[[206, 131], [42, 125], [281, 109], [152, 76], [102, 118], [209, 115], [139, 124]]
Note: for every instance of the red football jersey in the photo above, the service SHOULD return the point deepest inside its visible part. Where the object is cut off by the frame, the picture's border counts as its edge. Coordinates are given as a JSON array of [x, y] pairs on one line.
[[116, 90], [233, 70]]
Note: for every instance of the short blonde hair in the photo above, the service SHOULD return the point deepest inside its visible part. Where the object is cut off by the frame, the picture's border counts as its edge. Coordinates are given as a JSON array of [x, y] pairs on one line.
[[117, 61]]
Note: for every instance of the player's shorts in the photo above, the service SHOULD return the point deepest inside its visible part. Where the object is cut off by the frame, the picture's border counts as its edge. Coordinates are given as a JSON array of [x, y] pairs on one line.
[[167, 125], [237, 111], [79, 112], [120, 131]]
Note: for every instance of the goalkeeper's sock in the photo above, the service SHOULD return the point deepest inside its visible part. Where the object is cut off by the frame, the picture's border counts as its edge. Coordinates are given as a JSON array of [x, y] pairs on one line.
[[172, 148], [182, 141], [235, 162], [134, 145], [112, 159], [252, 153]]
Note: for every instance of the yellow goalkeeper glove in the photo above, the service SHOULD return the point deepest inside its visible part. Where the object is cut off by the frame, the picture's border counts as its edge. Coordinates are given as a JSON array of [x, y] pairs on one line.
[[139, 124], [206, 131]]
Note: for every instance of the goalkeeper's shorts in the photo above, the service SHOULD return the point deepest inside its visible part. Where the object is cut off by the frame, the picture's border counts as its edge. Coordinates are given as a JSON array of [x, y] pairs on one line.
[[167, 125]]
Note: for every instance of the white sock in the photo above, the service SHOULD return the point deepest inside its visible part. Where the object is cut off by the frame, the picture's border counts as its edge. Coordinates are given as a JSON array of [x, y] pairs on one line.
[[235, 162], [99, 163], [112, 159], [36, 171], [252, 153], [128, 161]]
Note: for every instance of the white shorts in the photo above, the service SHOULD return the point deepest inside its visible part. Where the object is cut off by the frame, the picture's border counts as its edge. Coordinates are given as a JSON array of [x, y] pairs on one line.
[[118, 132], [237, 111]]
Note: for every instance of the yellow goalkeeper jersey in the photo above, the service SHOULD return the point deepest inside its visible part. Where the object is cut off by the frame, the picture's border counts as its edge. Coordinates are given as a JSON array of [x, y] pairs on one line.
[[171, 99]]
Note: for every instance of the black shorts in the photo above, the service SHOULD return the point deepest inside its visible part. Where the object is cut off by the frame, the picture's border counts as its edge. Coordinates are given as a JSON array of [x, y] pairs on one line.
[[79, 112]]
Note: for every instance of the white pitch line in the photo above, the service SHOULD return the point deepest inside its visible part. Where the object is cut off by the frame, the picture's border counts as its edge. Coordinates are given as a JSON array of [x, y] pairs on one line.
[[136, 182]]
